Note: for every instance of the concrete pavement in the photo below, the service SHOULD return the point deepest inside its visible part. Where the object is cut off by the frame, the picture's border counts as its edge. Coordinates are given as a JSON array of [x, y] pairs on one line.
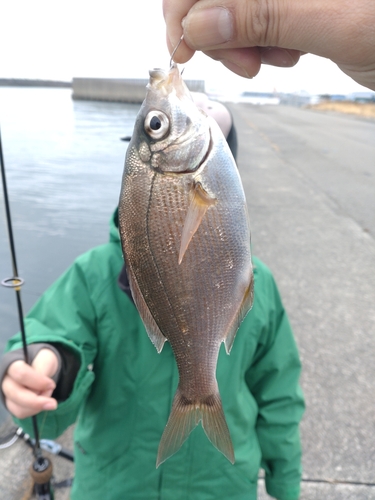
[[309, 178]]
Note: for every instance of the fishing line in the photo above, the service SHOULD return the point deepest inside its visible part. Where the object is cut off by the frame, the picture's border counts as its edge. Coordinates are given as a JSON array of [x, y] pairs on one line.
[[41, 469]]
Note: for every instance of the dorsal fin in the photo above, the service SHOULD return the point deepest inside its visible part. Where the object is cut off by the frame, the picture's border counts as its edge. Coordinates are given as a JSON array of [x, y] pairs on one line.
[[246, 305]]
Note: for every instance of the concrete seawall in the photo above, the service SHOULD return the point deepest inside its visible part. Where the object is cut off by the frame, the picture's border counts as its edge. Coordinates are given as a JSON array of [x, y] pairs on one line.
[[25, 82], [118, 90]]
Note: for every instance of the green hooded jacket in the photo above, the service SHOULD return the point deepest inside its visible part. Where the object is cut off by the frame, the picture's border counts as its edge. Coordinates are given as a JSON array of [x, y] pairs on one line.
[[124, 389]]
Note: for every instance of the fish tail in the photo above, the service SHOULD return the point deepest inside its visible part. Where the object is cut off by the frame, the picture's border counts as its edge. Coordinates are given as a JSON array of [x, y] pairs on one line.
[[215, 426], [185, 416]]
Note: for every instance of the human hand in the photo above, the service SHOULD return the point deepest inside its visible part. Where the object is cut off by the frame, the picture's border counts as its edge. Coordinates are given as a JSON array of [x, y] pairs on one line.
[[243, 34], [28, 389]]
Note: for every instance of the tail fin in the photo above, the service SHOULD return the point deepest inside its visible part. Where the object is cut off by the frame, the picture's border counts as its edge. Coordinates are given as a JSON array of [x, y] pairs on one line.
[[185, 416], [215, 426]]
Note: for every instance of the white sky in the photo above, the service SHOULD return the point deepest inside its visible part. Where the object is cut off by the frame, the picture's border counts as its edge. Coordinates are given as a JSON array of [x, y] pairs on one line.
[[51, 39]]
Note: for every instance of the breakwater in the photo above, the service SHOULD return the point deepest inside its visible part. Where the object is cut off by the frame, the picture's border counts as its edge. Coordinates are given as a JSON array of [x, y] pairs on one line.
[[119, 89], [132, 90], [26, 82]]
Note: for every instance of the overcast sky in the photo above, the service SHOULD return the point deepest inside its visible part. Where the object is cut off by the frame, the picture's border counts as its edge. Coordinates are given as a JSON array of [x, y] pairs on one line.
[[47, 39]]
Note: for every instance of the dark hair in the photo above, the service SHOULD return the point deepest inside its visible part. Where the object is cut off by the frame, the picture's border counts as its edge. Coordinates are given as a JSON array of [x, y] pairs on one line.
[[232, 140]]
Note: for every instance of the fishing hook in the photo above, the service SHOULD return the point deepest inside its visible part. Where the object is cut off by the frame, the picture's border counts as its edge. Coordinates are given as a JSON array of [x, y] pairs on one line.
[[175, 50], [41, 469]]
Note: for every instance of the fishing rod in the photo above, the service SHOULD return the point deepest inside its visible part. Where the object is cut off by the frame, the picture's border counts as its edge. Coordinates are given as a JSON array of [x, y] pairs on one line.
[[41, 469]]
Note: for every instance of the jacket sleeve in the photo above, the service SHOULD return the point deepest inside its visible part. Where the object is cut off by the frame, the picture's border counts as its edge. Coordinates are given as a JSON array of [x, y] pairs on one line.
[[64, 316], [273, 379]]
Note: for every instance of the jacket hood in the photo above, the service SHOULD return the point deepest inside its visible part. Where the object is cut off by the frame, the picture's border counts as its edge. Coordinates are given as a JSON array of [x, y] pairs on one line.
[[114, 234]]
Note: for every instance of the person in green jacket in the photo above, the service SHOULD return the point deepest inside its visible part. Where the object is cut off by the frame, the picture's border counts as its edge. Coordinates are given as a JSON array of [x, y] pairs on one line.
[[94, 365]]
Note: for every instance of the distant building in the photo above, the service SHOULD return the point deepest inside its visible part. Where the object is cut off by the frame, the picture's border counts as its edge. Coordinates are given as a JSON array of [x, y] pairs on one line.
[[298, 99], [260, 98], [334, 97], [361, 97]]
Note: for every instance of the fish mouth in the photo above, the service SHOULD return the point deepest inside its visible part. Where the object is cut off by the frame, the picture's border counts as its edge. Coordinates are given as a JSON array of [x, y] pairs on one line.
[[161, 78], [157, 75], [166, 82]]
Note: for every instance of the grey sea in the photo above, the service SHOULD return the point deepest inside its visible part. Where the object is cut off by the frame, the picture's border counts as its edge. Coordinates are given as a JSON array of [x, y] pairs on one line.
[[64, 162]]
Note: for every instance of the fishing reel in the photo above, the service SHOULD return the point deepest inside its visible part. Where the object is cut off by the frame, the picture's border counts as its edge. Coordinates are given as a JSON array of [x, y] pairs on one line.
[[41, 473], [41, 470]]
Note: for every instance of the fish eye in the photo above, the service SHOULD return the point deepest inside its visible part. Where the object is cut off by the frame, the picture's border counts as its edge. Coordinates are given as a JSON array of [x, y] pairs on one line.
[[156, 124]]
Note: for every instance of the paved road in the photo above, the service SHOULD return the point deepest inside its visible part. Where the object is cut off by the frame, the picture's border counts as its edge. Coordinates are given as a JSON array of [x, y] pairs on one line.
[[335, 153], [309, 178]]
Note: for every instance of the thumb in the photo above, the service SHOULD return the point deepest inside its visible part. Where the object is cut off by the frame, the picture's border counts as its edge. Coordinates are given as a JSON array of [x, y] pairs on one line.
[[242, 34], [249, 23], [46, 362]]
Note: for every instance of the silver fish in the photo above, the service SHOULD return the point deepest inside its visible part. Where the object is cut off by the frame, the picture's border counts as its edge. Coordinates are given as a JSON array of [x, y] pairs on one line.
[[186, 240]]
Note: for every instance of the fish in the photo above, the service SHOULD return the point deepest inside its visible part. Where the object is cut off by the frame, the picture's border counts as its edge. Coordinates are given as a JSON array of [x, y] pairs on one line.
[[185, 234]]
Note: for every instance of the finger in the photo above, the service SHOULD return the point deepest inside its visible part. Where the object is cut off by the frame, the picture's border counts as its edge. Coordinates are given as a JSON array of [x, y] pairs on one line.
[[174, 12], [21, 395], [244, 62], [46, 362], [22, 402], [210, 24], [183, 52], [26, 376], [24, 412], [275, 56]]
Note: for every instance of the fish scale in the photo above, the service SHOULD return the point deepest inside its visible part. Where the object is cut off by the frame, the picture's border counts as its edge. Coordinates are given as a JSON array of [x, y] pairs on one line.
[[185, 235]]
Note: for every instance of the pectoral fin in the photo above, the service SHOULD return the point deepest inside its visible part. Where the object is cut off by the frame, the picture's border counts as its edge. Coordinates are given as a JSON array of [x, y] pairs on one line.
[[201, 201]]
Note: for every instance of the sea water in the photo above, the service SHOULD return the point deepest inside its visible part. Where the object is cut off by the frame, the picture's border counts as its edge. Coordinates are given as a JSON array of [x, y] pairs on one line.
[[64, 161]]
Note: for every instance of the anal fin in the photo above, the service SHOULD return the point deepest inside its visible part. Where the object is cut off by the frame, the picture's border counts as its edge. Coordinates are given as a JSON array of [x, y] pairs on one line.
[[201, 201]]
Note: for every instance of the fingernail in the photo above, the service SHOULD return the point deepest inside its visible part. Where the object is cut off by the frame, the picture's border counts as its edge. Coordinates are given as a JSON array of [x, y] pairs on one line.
[[275, 56], [208, 27], [50, 405]]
